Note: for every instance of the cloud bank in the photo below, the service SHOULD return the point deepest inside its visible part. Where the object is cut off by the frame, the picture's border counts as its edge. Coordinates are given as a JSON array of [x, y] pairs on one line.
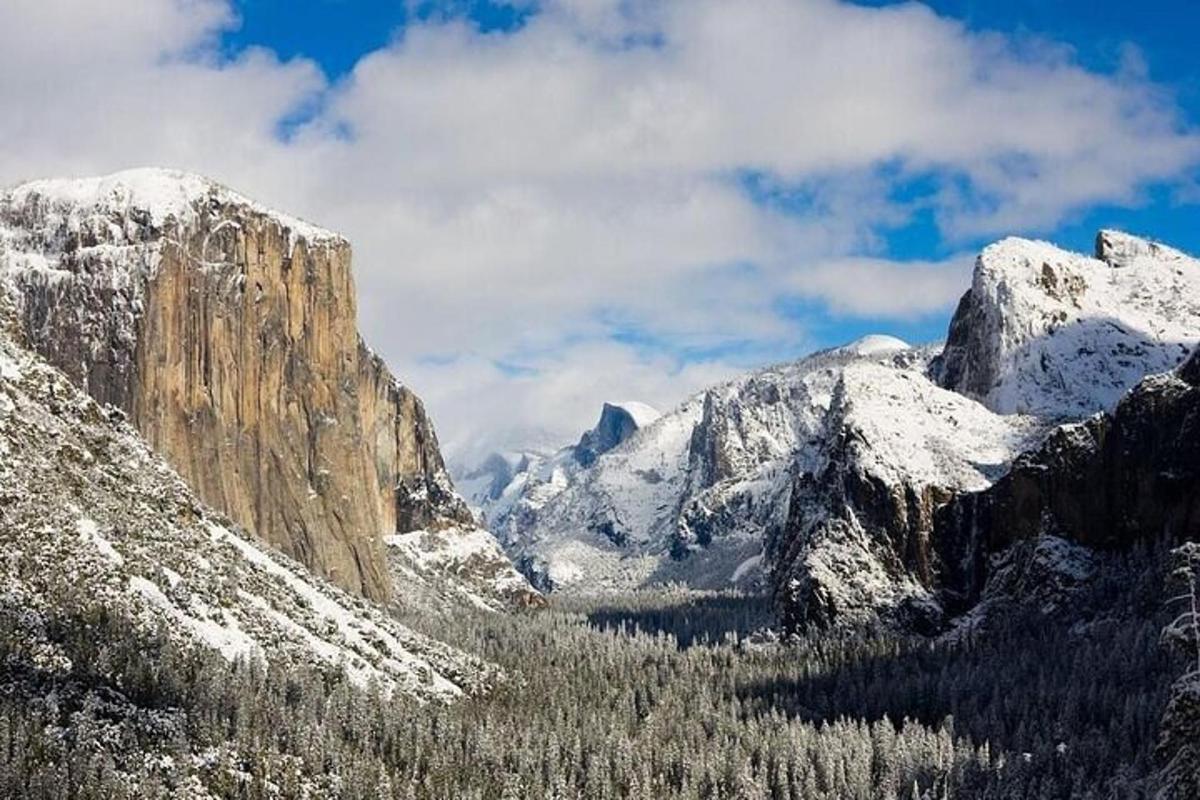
[[614, 200]]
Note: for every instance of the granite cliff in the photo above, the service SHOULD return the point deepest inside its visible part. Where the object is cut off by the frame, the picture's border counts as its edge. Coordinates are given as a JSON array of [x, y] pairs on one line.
[[227, 334]]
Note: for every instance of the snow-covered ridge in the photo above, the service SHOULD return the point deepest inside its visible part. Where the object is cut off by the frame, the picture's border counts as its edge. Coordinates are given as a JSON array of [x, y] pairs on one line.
[[641, 413], [691, 495], [876, 344], [1049, 332], [839, 460], [114, 227], [158, 194]]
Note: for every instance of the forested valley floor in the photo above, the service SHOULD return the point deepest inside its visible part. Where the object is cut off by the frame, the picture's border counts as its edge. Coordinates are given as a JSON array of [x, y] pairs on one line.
[[656, 695]]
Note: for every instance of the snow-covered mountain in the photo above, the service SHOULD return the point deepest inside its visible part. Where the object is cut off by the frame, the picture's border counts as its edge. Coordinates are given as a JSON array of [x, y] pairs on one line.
[[1058, 334], [227, 333], [91, 518], [694, 496], [827, 472], [507, 488]]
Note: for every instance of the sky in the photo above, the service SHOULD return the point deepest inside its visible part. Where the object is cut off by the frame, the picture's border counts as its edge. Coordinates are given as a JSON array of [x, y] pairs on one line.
[[557, 203]]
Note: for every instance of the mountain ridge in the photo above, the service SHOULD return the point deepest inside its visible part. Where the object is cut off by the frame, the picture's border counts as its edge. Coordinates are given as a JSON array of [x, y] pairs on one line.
[[803, 474]]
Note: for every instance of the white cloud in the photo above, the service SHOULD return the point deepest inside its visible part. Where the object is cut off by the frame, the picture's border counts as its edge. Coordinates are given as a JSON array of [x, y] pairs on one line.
[[525, 195], [874, 287], [480, 407]]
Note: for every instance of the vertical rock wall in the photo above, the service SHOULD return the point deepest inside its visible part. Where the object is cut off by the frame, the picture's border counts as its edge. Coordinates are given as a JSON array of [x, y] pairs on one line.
[[228, 335]]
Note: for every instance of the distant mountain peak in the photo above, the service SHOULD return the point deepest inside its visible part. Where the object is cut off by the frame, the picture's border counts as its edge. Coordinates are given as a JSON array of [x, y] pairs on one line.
[[618, 421]]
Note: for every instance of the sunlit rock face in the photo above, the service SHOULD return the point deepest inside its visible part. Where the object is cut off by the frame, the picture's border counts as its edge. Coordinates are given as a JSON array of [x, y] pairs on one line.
[[93, 521], [227, 333]]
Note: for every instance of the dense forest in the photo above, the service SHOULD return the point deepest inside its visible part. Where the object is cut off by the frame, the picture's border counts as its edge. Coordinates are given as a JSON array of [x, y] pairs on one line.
[[660, 695]]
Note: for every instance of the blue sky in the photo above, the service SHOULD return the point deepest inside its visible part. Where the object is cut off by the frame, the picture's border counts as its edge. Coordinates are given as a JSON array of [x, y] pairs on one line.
[[560, 203], [1103, 37]]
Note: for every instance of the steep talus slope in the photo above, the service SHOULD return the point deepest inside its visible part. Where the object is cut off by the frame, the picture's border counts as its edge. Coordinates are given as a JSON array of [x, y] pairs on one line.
[[91, 517], [227, 333]]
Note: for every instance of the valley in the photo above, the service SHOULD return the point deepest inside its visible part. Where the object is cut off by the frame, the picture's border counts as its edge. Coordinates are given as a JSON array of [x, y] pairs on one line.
[[236, 565], [649, 695]]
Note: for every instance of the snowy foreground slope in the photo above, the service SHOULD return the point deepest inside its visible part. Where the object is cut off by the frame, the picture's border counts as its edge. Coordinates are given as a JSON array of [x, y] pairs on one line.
[[823, 476], [89, 513], [227, 333]]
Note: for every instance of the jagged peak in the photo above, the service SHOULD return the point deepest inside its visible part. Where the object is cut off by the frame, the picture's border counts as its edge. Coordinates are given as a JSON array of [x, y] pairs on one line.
[[1120, 249], [158, 192]]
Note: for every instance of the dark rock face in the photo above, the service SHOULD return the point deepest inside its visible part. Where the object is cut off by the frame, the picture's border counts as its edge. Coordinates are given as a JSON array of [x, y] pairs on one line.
[[1104, 483], [964, 364], [890, 523], [615, 426]]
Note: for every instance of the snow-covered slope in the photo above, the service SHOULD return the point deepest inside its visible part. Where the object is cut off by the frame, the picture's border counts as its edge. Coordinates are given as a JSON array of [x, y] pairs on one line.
[[1058, 334], [89, 512], [442, 569]]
